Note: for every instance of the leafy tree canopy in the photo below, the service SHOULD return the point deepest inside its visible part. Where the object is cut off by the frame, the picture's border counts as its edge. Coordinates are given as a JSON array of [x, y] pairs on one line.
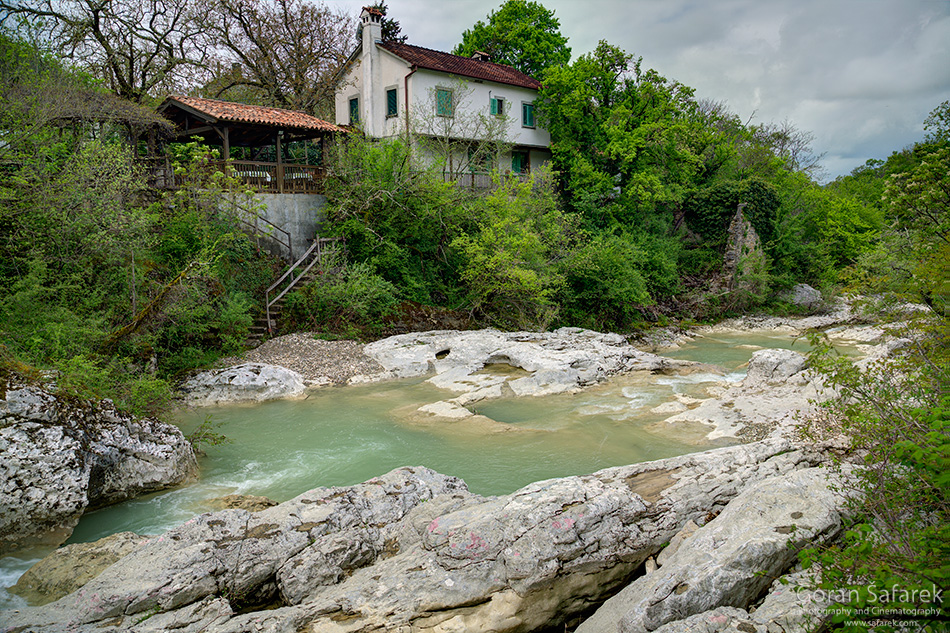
[[282, 54], [521, 34]]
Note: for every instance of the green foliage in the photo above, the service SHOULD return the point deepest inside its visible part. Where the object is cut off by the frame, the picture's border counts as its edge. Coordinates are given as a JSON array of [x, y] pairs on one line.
[[710, 210], [511, 257], [396, 218], [114, 296], [937, 123], [896, 413], [625, 140], [206, 434], [604, 285], [910, 258], [522, 34], [350, 300]]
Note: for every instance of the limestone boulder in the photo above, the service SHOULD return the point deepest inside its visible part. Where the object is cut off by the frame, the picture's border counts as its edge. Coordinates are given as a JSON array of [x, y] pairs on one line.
[[804, 296], [773, 366], [71, 566], [415, 550], [59, 457], [732, 560], [481, 364], [792, 606], [248, 382]]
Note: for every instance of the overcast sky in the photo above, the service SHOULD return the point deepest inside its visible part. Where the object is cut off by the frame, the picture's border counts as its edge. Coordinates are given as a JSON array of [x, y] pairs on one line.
[[861, 75]]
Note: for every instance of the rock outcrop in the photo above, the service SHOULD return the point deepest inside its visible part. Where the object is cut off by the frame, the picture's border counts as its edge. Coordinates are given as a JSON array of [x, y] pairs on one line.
[[249, 382], [484, 364], [415, 551], [776, 391], [733, 559], [59, 457], [72, 566]]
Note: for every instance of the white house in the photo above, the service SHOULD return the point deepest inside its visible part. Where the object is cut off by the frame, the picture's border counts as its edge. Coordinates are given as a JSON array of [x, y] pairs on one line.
[[439, 100]]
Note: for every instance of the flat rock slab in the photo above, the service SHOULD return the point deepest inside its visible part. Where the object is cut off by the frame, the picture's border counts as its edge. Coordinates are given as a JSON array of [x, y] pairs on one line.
[[249, 382], [483, 364], [733, 559], [416, 550]]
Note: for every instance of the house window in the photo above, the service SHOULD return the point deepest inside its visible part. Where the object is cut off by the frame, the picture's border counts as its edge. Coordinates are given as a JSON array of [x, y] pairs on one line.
[[479, 161], [392, 102], [519, 162], [355, 111], [527, 114], [443, 102], [497, 106]]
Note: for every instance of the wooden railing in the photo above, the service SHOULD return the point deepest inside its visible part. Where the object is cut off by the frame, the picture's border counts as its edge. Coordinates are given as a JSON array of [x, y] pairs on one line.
[[276, 178], [262, 177], [478, 180], [320, 249]]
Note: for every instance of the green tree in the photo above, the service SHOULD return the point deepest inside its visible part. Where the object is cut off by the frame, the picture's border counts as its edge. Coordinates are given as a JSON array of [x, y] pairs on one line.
[[626, 140], [397, 218], [522, 34], [283, 54], [115, 296], [137, 47], [937, 123], [511, 257]]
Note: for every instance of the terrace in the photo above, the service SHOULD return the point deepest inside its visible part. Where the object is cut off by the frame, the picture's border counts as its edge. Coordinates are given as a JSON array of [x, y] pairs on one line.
[[281, 150]]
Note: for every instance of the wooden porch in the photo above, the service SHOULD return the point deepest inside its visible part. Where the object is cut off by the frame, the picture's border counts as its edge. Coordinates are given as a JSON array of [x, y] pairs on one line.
[[258, 176]]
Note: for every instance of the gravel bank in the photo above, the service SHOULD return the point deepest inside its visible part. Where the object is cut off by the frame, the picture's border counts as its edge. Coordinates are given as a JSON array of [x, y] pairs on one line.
[[318, 361]]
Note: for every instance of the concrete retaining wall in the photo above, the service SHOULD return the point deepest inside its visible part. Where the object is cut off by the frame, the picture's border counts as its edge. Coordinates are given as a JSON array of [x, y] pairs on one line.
[[300, 214]]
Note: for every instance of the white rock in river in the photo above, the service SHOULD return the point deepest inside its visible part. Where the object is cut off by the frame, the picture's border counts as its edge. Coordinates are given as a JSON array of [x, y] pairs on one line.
[[59, 457], [250, 382], [540, 363], [415, 550], [733, 559]]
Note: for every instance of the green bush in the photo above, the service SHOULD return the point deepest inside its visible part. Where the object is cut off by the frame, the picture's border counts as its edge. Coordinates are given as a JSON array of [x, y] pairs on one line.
[[511, 258], [895, 552], [351, 300]]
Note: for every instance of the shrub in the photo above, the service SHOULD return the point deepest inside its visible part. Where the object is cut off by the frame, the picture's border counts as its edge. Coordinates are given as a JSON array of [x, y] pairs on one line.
[[351, 300], [895, 552]]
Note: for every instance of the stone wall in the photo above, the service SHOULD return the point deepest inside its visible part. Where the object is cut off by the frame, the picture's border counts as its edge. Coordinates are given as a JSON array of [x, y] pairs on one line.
[[299, 214]]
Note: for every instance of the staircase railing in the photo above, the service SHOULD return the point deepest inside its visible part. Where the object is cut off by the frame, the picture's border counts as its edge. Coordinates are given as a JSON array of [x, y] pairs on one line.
[[270, 232], [316, 249]]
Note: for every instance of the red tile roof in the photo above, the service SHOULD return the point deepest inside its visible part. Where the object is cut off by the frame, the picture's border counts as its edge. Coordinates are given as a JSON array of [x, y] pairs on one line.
[[260, 115], [463, 66]]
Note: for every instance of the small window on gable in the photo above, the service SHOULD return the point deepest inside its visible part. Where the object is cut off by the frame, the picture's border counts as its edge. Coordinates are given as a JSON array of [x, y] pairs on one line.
[[392, 102], [355, 111], [443, 102], [527, 114], [498, 106]]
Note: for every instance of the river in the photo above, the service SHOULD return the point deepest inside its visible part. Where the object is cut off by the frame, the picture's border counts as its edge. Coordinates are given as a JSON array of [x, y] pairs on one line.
[[346, 435]]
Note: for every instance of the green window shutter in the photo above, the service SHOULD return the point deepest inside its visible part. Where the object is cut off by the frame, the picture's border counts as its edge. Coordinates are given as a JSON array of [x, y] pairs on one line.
[[354, 111], [392, 104], [516, 162], [443, 102], [497, 106], [527, 114]]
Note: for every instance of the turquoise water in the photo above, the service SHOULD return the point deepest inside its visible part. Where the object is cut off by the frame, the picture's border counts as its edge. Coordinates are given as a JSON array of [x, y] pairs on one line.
[[345, 435]]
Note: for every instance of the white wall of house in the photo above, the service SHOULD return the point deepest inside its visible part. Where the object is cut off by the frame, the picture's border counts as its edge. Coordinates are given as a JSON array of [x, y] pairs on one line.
[[473, 97], [378, 71]]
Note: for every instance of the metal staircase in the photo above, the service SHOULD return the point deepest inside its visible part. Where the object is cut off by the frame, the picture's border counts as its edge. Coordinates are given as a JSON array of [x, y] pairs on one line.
[[299, 272]]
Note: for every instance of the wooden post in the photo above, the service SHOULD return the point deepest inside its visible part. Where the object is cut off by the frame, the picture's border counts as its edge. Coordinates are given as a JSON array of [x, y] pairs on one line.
[[226, 145], [280, 165]]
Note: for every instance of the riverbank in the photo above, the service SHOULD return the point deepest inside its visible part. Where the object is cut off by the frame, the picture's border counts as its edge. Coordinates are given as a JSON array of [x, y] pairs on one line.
[[318, 361]]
